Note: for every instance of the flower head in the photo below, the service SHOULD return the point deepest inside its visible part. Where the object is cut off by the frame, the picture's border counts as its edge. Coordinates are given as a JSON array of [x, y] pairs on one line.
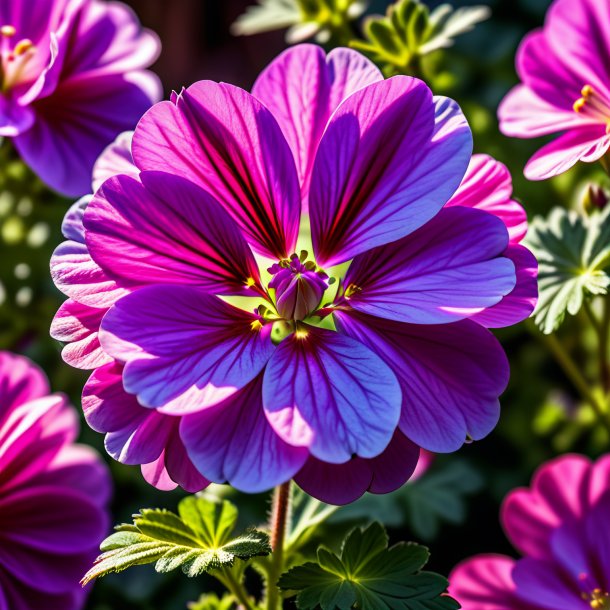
[[303, 302], [563, 68], [71, 79], [53, 494], [560, 525]]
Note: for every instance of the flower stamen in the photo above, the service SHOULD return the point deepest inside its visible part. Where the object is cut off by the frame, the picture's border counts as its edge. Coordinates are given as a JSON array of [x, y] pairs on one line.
[[14, 61], [593, 105], [598, 598]]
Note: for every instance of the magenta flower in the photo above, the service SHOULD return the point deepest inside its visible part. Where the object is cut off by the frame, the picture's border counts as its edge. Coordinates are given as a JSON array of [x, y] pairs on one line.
[[202, 287], [53, 494], [560, 525], [72, 78], [564, 72]]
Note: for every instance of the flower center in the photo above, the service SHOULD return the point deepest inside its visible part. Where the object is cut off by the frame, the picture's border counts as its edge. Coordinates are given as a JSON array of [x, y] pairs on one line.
[[14, 58], [299, 286], [593, 105], [598, 598]]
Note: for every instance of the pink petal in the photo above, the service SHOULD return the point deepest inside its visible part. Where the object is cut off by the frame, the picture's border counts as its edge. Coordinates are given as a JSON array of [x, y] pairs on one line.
[[116, 159]]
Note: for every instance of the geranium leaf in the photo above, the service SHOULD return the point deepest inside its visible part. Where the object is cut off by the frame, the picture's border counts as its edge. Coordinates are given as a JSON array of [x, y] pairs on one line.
[[370, 576], [573, 253], [199, 539]]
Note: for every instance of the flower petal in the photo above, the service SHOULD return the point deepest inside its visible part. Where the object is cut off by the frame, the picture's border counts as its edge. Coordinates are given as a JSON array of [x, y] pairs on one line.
[[332, 394], [185, 350], [20, 382], [451, 376], [449, 269], [226, 141], [344, 483], [173, 245], [488, 186], [116, 159], [302, 87], [233, 442], [390, 158]]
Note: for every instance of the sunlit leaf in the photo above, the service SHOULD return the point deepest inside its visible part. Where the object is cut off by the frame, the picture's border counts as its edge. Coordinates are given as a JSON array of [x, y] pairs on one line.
[[370, 576], [213, 602], [197, 540]]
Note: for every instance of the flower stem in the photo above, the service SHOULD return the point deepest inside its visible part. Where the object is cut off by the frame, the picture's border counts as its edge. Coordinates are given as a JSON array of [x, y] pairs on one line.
[[279, 521], [236, 589], [575, 376], [603, 348]]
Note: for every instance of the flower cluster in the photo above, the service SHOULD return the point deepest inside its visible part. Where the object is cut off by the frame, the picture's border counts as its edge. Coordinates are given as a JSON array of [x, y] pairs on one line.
[[295, 283], [560, 525], [53, 494], [71, 79]]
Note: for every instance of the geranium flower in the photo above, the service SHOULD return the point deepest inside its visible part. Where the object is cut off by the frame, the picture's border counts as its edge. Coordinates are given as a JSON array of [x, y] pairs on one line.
[[53, 494], [564, 72], [560, 525], [71, 79], [213, 315]]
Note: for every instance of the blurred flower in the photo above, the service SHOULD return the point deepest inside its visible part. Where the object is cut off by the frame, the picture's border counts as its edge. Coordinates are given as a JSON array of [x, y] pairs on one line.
[[565, 89], [53, 494], [560, 525], [71, 79], [262, 386]]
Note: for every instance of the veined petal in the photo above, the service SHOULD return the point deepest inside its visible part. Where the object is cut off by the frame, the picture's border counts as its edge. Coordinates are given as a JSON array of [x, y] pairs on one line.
[[233, 442], [344, 483], [20, 382], [451, 376], [173, 245], [184, 349], [390, 158], [332, 394], [488, 186], [302, 87], [225, 140], [116, 159], [449, 269]]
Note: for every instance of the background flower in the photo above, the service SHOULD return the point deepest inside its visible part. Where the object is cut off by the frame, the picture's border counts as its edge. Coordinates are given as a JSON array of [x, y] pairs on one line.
[[53, 494]]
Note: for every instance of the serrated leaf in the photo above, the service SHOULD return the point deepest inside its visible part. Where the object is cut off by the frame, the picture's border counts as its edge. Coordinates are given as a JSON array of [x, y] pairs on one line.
[[197, 540], [573, 253], [370, 575]]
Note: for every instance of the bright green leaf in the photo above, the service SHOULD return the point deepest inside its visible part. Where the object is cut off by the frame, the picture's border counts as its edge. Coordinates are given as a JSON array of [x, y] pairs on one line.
[[197, 540], [212, 602], [573, 253], [370, 576]]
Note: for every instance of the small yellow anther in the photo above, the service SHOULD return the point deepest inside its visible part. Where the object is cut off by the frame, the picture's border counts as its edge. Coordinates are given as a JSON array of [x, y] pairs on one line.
[[8, 31], [579, 104], [256, 325], [301, 333], [587, 91], [250, 282], [23, 46]]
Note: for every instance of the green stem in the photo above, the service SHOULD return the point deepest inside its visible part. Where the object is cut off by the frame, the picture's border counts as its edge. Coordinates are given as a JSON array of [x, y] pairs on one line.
[[604, 369], [573, 373], [279, 521], [236, 588]]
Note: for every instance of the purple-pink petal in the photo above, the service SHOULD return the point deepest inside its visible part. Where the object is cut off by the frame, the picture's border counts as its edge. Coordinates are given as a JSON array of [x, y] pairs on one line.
[[184, 349], [344, 483], [233, 442], [451, 376], [225, 140], [116, 159], [20, 382], [384, 167], [174, 245], [449, 269], [330, 393]]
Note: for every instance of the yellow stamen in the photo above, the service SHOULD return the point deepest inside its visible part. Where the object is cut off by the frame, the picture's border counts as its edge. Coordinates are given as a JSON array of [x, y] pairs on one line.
[[23, 46], [587, 91], [301, 333], [579, 104], [351, 290], [250, 282], [256, 325]]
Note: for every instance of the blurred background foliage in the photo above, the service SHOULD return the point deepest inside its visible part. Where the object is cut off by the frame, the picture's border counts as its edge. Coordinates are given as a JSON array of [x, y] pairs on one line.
[[454, 507]]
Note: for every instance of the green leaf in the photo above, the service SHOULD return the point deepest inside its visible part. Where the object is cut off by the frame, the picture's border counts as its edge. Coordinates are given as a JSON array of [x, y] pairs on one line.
[[266, 16], [573, 253], [198, 539], [211, 601], [370, 576]]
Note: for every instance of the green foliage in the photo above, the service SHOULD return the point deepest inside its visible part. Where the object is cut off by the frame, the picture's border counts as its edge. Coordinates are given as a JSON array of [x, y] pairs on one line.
[[573, 253], [197, 540], [213, 602], [370, 575], [410, 30], [439, 496], [322, 19]]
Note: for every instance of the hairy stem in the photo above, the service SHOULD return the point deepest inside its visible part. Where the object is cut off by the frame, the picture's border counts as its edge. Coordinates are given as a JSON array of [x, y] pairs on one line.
[[279, 521]]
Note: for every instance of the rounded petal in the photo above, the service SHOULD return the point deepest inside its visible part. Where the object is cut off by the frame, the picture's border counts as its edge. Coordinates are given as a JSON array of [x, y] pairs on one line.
[[451, 376], [344, 483], [330, 393], [449, 269], [184, 349], [389, 160], [223, 139], [116, 159], [20, 382], [233, 442]]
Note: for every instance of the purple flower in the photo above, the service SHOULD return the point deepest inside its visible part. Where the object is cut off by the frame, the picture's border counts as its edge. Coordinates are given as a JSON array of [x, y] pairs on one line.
[[193, 302], [71, 78], [564, 72], [560, 525], [53, 494]]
